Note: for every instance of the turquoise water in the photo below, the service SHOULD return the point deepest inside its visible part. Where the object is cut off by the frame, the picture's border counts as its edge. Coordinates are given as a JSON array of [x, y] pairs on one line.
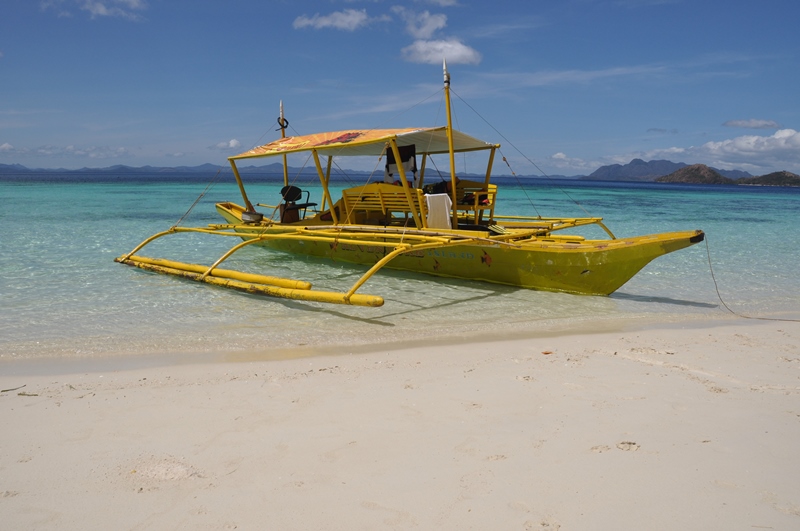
[[63, 296]]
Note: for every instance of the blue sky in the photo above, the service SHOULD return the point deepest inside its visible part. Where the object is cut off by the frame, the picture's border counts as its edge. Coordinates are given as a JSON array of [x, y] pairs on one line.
[[570, 84]]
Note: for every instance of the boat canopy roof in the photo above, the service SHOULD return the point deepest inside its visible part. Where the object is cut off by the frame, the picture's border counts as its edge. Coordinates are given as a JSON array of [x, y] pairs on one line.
[[430, 140]]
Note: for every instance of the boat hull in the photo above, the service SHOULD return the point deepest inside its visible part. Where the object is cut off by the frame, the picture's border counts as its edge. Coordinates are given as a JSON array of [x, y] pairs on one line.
[[586, 268], [591, 267]]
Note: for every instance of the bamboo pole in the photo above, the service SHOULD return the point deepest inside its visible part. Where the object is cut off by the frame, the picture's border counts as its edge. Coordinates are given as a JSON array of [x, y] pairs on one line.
[[222, 273], [248, 206], [264, 289], [326, 193], [283, 124], [404, 181]]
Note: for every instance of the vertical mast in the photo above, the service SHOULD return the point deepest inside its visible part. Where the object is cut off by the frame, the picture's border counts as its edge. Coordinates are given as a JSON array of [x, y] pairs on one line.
[[283, 125], [453, 178]]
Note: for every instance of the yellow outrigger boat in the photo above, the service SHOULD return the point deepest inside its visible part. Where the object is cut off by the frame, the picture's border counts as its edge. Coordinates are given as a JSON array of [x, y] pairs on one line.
[[404, 224]]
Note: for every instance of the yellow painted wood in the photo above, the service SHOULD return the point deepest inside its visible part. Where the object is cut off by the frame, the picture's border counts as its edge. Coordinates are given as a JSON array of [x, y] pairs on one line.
[[380, 225], [224, 273], [264, 289]]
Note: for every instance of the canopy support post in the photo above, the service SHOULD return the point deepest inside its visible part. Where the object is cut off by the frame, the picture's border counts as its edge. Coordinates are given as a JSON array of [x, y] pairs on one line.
[[247, 204], [404, 181], [489, 167], [327, 180], [326, 193]]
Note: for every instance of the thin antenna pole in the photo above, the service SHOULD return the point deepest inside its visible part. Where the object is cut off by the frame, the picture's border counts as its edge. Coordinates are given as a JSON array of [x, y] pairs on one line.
[[283, 124], [453, 178]]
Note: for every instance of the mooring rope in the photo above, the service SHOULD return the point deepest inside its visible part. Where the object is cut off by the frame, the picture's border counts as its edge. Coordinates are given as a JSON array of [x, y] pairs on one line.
[[708, 250], [510, 143], [719, 296], [202, 194], [524, 191]]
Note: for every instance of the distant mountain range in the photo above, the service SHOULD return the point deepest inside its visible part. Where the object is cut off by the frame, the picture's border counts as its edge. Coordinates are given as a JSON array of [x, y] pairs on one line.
[[639, 170], [118, 169], [636, 170]]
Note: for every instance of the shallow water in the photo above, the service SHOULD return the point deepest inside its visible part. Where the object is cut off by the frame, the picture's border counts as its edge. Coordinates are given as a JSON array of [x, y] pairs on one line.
[[64, 296]]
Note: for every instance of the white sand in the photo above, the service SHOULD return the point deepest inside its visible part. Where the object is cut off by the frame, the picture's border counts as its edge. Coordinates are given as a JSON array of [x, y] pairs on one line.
[[661, 429]]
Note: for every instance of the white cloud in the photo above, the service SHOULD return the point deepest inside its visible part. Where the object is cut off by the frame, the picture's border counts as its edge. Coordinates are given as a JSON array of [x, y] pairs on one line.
[[441, 3], [665, 153], [421, 25], [91, 152], [662, 131], [230, 144], [432, 52], [6, 148], [702, 67], [784, 144], [644, 3], [564, 163], [504, 30], [347, 20], [97, 8], [54, 5], [96, 152], [561, 77], [753, 124], [753, 153]]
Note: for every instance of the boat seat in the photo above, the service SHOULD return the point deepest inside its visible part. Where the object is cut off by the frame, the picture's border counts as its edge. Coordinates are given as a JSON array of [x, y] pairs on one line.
[[290, 209], [476, 198], [384, 199]]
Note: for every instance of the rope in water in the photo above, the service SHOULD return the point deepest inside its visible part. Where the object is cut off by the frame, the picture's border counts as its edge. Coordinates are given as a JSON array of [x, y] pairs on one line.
[[708, 250], [719, 296]]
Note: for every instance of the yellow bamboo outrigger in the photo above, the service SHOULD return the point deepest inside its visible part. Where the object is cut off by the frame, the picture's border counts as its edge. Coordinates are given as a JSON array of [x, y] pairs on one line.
[[406, 225]]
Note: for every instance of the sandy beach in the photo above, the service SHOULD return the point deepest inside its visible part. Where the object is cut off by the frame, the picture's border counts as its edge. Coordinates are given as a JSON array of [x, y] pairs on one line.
[[680, 428]]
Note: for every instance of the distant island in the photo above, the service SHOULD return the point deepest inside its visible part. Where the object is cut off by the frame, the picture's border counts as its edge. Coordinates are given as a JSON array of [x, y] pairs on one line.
[[702, 174], [6, 169], [637, 170], [641, 171], [664, 171]]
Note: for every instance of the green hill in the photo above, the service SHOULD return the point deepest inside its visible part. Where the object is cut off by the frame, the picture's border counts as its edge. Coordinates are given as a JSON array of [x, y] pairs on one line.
[[778, 178], [695, 174]]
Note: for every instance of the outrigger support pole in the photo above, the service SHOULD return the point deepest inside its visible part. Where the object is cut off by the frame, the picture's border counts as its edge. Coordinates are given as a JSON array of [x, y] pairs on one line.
[[283, 287], [182, 270], [247, 282]]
